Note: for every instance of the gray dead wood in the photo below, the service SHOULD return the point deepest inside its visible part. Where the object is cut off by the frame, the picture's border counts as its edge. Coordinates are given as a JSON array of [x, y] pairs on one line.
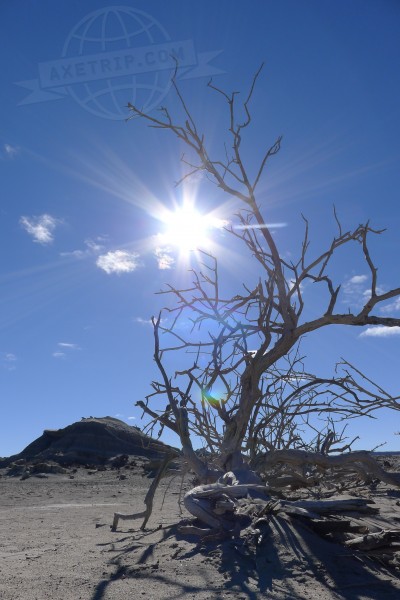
[[371, 541], [261, 403], [360, 462], [261, 400], [210, 502], [148, 499], [328, 507]]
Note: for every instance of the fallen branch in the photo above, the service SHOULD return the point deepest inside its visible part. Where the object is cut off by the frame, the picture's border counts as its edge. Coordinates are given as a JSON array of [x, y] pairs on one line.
[[328, 507], [361, 462], [211, 503], [325, 526], [375, 540], [148, 499]]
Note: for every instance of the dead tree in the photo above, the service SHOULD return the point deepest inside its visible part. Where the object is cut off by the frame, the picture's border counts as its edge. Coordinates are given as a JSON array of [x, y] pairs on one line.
[[247, 346]]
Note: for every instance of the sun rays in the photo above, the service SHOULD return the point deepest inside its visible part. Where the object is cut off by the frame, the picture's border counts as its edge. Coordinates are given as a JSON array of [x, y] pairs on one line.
[[187, 229], [170, 226]]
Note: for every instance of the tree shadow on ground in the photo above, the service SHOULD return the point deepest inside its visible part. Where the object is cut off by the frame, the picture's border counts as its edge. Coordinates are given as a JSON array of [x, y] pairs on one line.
[[133, 557], [290, 558]]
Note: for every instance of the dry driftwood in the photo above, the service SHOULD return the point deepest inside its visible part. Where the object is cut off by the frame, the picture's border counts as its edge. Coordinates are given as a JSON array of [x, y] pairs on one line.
[[325, 526], [211, 501], [328, 507], [361, 462], [148, 499], [293, 480], [371, 541], [216, 505]]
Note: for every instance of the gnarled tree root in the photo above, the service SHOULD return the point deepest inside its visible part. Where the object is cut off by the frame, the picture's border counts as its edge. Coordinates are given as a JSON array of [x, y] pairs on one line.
[[215, 505]]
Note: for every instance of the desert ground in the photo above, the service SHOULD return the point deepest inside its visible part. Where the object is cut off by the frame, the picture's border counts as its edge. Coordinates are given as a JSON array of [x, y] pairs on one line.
[[56, 543]]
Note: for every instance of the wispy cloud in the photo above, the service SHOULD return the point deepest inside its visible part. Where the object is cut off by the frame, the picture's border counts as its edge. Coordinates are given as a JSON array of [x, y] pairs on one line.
[[354, 287], [357, 279], [64, 349], [121, 416], [148, 322], [392, 307], [164, 258], [8, 360], [9, 151], [380, 331], [143, 321], [291, 283], [355, 291], [118, 262], [40, 228], [93, 247], [68, 345]]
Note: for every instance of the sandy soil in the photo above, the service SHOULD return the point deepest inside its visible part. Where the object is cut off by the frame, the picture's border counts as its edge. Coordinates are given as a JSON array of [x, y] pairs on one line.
[[56, 543]]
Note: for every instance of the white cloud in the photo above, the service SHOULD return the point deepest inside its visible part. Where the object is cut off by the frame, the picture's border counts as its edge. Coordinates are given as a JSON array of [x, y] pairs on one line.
[[8, 360], [357, 279], [121, 416], [355, 292], [291, 283], [68, 345], [354, 288], [380, 331], [10, 151], [65, 347], [93, 247], [75, 253], [164, 258], [94, 244], [148, 322], [40, 228], [392, 307], [367, 293], [142, 321], [119, 261]]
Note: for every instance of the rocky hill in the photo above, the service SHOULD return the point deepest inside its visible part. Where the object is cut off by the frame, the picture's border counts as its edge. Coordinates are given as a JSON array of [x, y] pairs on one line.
[[93, 440]]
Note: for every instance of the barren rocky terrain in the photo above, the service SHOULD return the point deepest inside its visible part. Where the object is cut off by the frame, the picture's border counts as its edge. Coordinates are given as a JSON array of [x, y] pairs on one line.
[[56, 543]]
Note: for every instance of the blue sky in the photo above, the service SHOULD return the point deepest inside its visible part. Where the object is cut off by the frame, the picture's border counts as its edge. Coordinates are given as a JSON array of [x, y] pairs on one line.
[[83, 192]]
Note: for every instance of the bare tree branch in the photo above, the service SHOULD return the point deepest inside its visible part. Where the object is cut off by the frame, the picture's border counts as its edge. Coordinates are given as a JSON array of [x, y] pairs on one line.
[[247, 391]]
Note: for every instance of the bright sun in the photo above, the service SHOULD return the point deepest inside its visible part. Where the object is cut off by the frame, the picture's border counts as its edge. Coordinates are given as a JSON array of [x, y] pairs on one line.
[[187, 229]]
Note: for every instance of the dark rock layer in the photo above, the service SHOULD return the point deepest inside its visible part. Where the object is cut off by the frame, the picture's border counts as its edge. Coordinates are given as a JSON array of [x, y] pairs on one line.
[[90, 441]]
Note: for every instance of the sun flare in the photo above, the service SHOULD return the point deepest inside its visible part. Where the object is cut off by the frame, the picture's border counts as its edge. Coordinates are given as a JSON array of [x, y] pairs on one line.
[[187, 229]]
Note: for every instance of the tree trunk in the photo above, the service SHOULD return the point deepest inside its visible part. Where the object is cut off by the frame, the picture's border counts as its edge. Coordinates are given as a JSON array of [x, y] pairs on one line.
[[235, 431]]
